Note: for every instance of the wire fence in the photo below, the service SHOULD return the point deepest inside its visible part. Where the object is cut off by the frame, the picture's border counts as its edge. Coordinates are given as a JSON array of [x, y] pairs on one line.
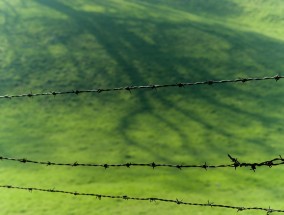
[[150, 199], [235, 164], [154, 86]]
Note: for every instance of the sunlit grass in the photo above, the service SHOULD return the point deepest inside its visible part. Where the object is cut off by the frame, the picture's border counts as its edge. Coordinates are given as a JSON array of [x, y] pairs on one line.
[[64, 45]]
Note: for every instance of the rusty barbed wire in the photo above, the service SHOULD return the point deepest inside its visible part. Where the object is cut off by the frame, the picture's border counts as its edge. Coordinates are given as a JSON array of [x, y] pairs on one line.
[[150, 199], [236, 164], [154, 86]]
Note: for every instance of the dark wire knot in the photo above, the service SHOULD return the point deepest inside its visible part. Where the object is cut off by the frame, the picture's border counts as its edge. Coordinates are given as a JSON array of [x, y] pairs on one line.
[[205, 166], [277, 77], [210, 82], [23, 160], [75, 164], [235, 161], [178, 202], [253, 167], [76, 92], [241, 209]]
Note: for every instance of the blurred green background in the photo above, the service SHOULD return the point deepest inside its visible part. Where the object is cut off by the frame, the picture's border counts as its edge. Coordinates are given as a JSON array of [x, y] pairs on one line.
[[48, 45]]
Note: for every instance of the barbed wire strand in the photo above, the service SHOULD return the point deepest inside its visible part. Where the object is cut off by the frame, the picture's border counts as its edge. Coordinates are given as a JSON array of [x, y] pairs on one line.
[[150, 199], [236, 164], [130, 88]]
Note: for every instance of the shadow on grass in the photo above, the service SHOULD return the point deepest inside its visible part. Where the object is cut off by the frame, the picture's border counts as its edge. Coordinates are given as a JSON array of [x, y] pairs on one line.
[[222, 8], [143, 61]]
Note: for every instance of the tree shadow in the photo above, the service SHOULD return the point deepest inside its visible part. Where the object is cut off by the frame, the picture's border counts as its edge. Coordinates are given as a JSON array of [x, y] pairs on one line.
[[145, 61], [222, 8]]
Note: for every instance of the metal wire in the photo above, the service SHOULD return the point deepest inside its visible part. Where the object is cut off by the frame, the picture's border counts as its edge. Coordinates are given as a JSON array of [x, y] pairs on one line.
[[235, 164], [130, 88], [150, 199]]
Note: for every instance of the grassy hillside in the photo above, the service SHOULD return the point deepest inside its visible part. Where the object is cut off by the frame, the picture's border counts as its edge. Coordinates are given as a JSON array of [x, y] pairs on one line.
[[62, 45]]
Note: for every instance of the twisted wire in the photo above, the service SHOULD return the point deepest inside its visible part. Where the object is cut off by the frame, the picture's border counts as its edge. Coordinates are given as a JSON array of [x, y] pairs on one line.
[[235, 164], [154, 86], [150, 199]]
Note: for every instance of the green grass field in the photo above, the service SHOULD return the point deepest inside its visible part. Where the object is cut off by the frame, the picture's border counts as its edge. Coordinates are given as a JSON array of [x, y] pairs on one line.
[[48, 45]]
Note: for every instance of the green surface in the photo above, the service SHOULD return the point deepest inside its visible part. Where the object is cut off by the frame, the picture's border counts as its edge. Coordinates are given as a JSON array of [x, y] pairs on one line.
[[60, 45]]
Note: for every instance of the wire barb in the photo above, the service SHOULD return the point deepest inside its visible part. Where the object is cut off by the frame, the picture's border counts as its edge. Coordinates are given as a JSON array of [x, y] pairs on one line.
[[235, 161]]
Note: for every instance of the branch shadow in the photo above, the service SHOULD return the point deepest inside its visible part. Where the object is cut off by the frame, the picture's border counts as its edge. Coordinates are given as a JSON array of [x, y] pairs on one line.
[[144, 62]]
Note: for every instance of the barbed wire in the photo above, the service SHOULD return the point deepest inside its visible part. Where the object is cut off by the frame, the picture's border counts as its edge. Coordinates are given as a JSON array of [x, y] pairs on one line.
[[236, 164], [150, 199], [130, 88]]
